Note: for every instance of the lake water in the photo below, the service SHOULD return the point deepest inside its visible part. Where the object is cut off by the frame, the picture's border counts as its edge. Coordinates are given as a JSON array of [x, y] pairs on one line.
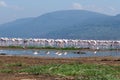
[[59, 53]]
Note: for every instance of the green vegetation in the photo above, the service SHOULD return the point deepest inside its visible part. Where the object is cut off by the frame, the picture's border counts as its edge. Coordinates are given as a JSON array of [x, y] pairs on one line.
[[15, 47], [55, 48], [18, 64], [75, 70], [71, 48], [47, 47], [78, 71], [6, 71], [35, 47], [12, 67]]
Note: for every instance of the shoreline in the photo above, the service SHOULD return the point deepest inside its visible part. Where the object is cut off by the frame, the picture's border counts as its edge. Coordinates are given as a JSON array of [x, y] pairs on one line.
[[53, 48], [68, 60]]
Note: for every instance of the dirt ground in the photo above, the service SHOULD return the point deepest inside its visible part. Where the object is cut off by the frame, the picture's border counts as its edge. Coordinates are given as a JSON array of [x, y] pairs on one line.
[[115, 61]]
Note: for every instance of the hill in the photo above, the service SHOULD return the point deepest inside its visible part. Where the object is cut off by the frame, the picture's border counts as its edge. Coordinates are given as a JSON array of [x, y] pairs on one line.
[[70, 24]]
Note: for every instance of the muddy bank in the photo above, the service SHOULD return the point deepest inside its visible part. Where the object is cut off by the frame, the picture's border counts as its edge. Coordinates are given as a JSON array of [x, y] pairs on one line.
[[46, 60]]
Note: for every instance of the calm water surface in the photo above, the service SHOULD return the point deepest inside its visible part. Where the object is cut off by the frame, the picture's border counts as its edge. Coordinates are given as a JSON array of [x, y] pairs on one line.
[[60, 53]]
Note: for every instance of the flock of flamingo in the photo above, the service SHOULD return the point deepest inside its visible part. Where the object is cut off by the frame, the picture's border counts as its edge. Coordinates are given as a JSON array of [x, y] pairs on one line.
[[61, 43]]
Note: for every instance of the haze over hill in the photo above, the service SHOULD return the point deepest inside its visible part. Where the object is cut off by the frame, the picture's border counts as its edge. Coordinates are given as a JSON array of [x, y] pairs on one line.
[[70, 24]]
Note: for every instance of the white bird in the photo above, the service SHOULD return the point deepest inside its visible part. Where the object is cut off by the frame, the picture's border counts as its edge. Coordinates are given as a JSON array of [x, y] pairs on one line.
[[65, 53], [47, 52], [59, 54], [35, 53], [95, 52]]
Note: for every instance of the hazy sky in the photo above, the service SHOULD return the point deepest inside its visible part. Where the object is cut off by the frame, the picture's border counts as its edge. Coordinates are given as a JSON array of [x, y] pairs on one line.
[[14, 9]]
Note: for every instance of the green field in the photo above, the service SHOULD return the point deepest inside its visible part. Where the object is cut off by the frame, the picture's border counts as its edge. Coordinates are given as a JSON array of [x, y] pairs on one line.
[[75, 70]]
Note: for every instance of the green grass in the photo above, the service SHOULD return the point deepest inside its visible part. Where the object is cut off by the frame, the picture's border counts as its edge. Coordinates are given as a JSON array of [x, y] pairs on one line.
[[12, 67], [56, 48], [18, 64], [47, 47], [14, 47], [78, 71], [6, 70], [75, 70], [50, 47]]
